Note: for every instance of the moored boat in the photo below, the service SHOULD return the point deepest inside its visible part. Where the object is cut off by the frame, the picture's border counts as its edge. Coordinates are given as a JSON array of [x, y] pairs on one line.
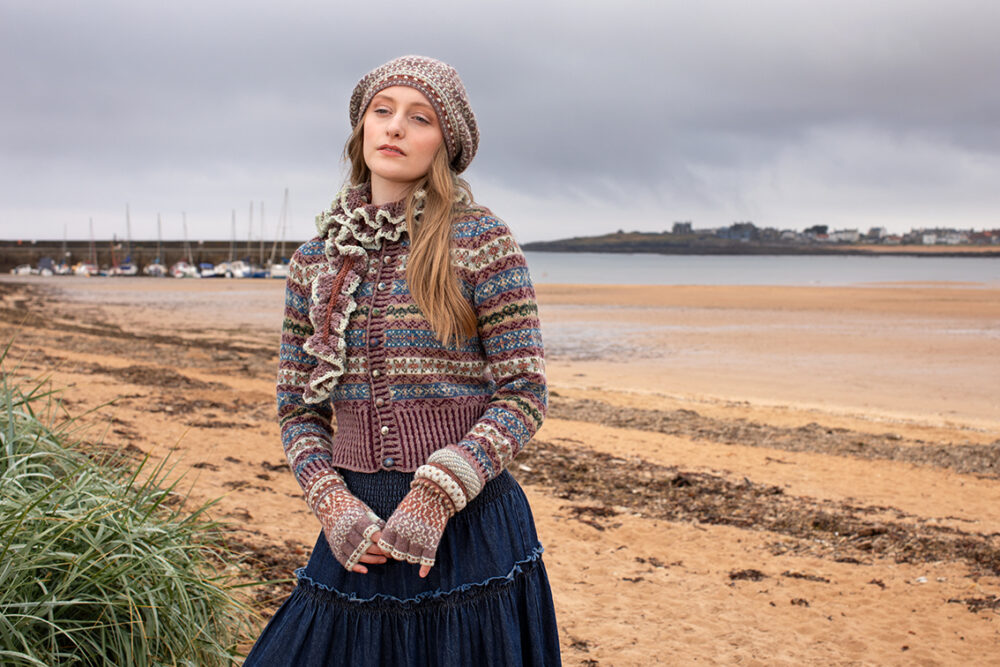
[[182, 269], [155, 270]]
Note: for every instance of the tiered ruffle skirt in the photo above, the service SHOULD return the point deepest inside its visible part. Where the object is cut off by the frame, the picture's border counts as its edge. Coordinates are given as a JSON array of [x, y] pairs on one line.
[[486, 601]]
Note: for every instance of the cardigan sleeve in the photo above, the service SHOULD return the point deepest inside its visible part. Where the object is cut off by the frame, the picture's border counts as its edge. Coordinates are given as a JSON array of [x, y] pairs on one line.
[[305, 427], [491, 264]]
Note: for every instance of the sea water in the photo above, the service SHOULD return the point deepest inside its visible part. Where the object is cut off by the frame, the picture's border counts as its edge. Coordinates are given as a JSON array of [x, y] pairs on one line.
[[803, 270]]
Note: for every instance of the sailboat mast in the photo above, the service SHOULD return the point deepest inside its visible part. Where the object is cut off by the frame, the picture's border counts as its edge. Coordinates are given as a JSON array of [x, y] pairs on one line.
[[159, 239], [128, 235], [250, 235], [284, 223], [278, 231], [262, 232], [187, 244], [93, 248], [232, 242]]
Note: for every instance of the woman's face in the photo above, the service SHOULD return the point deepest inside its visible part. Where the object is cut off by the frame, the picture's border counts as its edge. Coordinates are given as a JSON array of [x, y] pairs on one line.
[[401, 136]]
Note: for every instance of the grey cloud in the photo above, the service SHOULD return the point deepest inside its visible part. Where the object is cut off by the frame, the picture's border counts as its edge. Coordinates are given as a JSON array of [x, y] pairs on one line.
[[213, 103]]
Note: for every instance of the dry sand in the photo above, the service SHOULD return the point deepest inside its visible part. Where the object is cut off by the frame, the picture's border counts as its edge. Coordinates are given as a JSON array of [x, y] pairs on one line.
[[734, 475]]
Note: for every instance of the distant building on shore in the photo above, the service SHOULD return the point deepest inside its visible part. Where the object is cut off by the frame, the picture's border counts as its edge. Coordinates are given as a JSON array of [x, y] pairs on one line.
[[844, 236], [739, 231], [876, 235]]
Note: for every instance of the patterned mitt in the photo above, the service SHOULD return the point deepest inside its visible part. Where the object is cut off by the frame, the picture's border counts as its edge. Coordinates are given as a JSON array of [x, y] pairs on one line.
[[440, 488], [415, 528], [347, 522]]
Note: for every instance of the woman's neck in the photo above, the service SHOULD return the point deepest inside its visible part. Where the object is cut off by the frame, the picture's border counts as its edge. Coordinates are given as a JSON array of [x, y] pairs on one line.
[[386, 192]]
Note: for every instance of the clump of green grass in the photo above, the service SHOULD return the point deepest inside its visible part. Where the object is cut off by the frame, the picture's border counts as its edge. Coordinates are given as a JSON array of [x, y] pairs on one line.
[[99, 565]]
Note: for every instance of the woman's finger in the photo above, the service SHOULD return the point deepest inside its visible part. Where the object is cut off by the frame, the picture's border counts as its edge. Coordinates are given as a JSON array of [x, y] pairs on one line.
[[360, 569], [424, 569]]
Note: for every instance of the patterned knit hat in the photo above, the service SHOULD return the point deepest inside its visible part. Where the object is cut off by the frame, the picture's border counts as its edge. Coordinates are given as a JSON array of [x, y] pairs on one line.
[[439, 82]]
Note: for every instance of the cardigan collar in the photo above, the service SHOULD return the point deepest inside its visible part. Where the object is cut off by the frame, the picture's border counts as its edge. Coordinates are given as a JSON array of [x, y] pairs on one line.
[[352, 229], [353, 221]]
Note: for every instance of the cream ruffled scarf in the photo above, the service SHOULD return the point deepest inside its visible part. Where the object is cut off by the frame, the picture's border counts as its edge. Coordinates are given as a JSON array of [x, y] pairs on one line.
[[353, 228]]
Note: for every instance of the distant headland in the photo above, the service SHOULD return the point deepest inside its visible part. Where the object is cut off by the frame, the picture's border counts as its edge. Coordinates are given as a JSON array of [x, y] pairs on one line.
[[745, 238]]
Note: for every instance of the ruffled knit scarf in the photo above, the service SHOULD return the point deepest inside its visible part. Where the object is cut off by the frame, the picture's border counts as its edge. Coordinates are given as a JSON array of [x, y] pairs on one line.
[[352, 229]]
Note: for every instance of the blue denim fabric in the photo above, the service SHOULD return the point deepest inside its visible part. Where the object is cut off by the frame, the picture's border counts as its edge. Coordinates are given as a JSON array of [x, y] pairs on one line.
[[486, 600]]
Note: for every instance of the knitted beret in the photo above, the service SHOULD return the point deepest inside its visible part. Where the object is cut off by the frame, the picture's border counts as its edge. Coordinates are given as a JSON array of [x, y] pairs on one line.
[[439, 82]]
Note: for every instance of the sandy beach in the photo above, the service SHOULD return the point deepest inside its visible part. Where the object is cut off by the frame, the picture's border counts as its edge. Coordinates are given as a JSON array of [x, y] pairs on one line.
[[727, 475]]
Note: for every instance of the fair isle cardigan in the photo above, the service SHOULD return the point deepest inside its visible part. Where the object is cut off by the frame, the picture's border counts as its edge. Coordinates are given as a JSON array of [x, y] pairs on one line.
[[356, 346]]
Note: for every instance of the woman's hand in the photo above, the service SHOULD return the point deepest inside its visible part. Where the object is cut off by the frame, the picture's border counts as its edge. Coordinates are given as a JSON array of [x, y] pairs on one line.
[[377, 555], [373, 556], [413, 531], [348, 523]]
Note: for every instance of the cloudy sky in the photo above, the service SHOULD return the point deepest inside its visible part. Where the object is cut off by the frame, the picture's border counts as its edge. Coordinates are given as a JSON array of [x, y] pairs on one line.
[[595, 115]]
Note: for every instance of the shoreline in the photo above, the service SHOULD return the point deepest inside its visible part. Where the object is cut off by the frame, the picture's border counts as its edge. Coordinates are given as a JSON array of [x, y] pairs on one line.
[[15, 253], [737, 250]]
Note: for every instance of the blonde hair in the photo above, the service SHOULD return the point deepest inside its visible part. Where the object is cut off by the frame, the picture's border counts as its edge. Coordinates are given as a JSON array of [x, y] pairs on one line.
[[429, 273]]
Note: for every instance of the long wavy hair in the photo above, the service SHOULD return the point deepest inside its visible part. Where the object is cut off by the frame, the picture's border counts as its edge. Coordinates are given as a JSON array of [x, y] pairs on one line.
[[429, 273]]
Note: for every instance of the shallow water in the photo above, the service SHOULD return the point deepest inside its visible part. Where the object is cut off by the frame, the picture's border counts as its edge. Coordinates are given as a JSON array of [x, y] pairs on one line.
[[803, 270]]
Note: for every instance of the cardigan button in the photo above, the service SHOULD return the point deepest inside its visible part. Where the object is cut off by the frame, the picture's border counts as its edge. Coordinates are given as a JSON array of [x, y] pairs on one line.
[[387, 259], [376, 373], [373, 342], [376, 311], [379, 402], [384, 430], [388, 462], [381, 287]]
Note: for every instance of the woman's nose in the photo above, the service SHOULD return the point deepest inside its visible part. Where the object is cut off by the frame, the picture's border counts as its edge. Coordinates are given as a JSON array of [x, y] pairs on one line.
[[395, 126]]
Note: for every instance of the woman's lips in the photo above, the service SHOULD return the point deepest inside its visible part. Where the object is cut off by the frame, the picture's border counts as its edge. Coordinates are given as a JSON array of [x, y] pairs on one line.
[[389, 149]]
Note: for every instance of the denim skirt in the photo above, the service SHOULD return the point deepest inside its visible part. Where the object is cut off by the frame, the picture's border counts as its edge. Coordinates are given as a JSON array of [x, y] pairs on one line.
[[486, 601]]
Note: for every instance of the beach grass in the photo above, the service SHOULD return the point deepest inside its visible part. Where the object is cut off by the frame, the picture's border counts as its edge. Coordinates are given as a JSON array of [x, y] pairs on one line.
[[101, 562]]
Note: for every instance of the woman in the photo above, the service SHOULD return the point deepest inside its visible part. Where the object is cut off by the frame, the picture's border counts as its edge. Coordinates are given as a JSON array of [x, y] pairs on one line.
[[411, 323]]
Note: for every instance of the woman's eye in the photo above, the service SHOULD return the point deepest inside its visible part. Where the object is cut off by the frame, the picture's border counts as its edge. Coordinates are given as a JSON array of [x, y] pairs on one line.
[[422, 119], [381, 111]]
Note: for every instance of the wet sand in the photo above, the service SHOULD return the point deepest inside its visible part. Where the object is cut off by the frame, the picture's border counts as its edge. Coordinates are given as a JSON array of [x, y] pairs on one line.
[[746, 475]]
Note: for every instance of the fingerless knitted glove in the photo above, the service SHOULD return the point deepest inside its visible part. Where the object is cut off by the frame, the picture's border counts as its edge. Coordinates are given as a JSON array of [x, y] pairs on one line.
[[413, 531], [347, 522], [440, 488]]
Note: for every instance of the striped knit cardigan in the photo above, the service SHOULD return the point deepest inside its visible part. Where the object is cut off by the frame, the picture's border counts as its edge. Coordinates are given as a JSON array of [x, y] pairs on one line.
[[354, 344]]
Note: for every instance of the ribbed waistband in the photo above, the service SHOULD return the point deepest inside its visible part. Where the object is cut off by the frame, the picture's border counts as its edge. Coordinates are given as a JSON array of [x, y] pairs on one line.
[[383, 490]]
